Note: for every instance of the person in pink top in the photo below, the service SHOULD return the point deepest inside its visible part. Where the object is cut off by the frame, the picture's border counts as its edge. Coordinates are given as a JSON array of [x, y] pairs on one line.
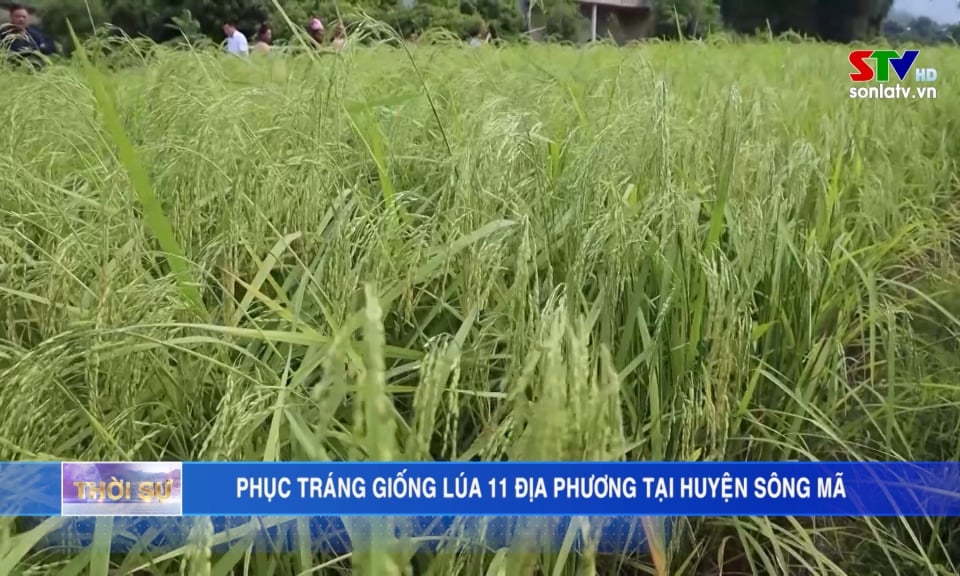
[[315, 28]]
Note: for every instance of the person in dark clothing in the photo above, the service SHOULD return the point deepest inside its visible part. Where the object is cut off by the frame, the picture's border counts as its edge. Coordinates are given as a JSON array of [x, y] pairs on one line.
[[23, 40]]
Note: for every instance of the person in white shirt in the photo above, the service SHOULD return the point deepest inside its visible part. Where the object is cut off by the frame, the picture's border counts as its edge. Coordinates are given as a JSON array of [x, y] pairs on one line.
[[480, 37], [236, 41]]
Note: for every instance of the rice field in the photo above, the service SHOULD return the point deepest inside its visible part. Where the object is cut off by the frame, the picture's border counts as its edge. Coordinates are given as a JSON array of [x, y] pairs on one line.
[[686, 252]]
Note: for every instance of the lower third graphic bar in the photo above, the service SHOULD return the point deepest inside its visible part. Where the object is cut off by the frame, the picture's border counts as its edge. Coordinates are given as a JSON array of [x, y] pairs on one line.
[[121, 489]]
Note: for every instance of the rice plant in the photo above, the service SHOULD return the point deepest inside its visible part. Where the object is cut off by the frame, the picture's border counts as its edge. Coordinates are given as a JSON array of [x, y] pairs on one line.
[[683, 252]]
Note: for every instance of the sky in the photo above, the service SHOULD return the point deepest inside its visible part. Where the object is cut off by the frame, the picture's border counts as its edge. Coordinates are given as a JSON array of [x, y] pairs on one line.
[[945, 11]]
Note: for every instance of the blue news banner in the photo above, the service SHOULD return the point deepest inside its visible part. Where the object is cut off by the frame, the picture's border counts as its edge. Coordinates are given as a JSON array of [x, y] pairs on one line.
[[488, 504]]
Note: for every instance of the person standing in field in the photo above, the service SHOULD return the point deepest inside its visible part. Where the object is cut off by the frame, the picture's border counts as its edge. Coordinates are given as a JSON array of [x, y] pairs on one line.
[[236, 41], [315, 29], [264, 39], [339, 37], [27, 42], [479, 37]]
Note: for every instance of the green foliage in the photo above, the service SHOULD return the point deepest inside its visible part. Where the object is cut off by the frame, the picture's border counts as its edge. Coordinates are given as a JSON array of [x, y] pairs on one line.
[[187, 25], [687, 18], [834, 20], [212, 14], [501, 16], [563, 22], [144, 17], [422, 17], [86, 17], [560, 20]]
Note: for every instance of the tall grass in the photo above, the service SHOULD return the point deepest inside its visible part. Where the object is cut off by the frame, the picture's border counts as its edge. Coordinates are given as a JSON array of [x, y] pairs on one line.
[[671, 252]]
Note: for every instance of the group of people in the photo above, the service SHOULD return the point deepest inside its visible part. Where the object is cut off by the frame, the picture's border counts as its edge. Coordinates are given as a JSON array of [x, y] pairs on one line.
[[28, 41], [238, 44]]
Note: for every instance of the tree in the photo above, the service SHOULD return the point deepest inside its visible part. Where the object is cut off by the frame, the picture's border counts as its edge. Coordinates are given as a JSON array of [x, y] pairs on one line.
[[832, 20], [247, 15], [893, 29], [920, 30], [689, 18], [924, 28], [954, 33], [56, 14], [503, 17], [563, 22]]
